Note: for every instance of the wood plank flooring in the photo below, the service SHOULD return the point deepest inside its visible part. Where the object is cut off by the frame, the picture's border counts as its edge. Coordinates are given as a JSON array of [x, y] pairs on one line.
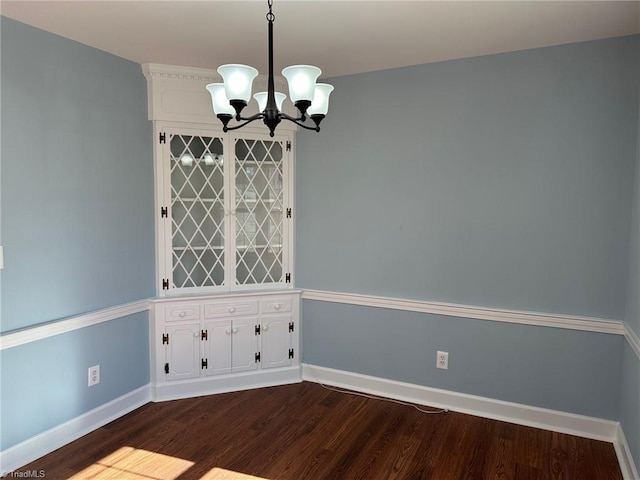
[[306, 432]]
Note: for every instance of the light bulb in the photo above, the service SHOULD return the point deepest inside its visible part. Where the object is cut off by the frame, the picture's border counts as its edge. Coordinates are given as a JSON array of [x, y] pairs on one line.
[[208, 159], [186, 159]]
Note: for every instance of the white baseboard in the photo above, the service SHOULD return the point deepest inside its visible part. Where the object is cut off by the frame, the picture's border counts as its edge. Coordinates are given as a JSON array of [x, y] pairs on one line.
[[554, 420], [225, 383], [46, 442], [628, 467], [35, 447]]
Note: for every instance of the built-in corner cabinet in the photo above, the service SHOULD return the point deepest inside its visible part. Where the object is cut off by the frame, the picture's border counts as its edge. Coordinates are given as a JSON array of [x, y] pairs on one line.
[[227, 314]]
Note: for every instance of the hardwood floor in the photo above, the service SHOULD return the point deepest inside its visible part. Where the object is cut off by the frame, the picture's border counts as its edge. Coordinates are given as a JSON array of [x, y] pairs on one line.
[[306, 432]]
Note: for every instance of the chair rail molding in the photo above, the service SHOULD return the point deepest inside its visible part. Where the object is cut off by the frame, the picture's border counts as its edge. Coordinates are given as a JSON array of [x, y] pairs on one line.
[[57, 327], [589, 324]]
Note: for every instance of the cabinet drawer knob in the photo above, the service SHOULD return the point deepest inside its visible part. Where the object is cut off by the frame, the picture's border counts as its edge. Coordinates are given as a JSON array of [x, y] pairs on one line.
[[232, 309], [196, 334], [182, 314], [265, 328], [227, 331], [276, 306]]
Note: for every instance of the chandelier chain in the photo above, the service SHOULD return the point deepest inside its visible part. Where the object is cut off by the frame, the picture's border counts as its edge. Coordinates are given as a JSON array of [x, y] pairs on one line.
[[270, 16]]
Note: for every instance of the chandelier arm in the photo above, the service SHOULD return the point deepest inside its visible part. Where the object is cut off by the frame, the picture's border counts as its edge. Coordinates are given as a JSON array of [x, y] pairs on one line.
[[246, 121], [301, 118], [298, 122]]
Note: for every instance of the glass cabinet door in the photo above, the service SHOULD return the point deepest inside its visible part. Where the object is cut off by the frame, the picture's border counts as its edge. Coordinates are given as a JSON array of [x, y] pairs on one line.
[[225, 218], [196, 165], [259, 210]]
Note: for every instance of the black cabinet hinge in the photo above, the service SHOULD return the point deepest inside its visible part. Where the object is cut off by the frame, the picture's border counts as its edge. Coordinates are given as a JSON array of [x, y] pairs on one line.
[[165, 339], [165, 284], [288, 213], [291, 326], [257, 330], [257, 357], [164, 212], [162, 137], [288, 146], [287, 278], [166, 368], [291, 353], [205, 363], [204, 335]]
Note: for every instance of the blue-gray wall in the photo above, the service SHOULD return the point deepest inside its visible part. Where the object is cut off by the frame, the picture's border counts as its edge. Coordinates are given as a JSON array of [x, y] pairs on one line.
[[77, 225], [550, 368], [501, 181], [44, 383], [77, 179], [630, 398]]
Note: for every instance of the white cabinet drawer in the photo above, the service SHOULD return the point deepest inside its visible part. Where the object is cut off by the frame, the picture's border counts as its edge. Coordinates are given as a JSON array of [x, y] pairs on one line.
[[217, 310], [182, 312], [275, 305]]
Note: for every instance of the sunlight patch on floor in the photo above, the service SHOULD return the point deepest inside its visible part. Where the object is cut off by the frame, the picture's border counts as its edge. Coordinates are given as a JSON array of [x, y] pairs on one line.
[[222, 474], [128, 463]]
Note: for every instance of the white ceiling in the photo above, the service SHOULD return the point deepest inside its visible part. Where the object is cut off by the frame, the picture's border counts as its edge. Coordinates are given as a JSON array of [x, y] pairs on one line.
[[341, 37]]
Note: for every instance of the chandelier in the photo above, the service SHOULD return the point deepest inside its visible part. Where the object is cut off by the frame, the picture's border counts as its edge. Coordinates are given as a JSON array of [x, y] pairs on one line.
[[310, 98]]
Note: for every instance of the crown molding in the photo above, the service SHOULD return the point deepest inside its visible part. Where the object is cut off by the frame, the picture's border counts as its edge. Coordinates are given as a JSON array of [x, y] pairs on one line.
[[174, 72]]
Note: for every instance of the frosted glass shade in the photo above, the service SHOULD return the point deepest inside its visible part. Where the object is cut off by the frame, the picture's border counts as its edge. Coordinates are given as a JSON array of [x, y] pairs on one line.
[[320, 102], [208, 159], [221, 105], [238, 80], [261, 98], [302, 81]]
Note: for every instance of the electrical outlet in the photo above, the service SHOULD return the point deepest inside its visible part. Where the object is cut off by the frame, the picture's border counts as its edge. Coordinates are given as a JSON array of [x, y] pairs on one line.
[[442, 360], [94, 375]]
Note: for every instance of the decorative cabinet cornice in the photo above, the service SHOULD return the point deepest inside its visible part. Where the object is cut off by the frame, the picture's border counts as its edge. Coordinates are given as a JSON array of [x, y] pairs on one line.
[[178, 93]]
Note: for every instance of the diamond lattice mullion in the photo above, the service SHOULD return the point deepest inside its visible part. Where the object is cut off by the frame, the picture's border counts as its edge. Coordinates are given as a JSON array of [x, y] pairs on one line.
[[276, 233], [264, 266], [200, 262], [178, 226], [198, 230], [249, 271], [255, 265], [276, 262]]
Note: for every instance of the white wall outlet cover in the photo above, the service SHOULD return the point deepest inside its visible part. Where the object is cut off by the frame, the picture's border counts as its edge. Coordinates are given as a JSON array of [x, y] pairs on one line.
[[94, 375], [442, 360]]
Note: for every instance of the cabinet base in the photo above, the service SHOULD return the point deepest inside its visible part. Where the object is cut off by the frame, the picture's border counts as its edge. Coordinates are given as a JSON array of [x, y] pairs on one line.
[[225, 383]]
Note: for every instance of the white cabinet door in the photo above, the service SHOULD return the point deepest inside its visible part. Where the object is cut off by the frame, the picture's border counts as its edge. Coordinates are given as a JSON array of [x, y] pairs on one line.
[[276, 341], [244, 344], [231, 346], [217, 347], [183, 351]]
